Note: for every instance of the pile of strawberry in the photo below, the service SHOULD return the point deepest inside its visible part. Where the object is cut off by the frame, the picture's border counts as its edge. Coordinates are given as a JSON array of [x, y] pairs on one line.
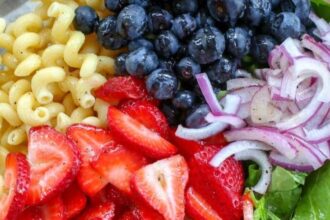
[[135, 169]]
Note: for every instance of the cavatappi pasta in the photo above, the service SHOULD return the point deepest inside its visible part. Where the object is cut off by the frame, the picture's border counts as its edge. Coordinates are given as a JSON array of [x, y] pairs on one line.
[[48, 72]]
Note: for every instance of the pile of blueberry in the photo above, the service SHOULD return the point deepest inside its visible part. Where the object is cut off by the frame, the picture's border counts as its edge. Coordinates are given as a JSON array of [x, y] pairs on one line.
[[169, 41]]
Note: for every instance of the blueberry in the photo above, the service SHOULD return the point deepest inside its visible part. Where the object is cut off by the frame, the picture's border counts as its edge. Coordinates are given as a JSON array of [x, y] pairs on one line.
[[166, 44], [301, 8], [203, 18], [132, 22], [184, 25], [221, 71], [159, 20], [141, 61], [196, 118], [162, 84], [257, 11], [107, 35], [262, 45], [171, 114], [115, 5], [186, 68], [120, 64], [184, 99], [207, 45], [142, 3], [286, 24], [168, 64], [140, 42], [227, 11], [238, 41], [275, 3], [85, 19], [185, 6]]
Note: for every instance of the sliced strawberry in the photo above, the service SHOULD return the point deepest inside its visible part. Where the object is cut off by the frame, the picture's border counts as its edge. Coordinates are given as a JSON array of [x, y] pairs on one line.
[[16, 186], [221, 187], [141, 212], [162, 186], [52, 210], [103, 211], [90, 141], [110, 193], [122, 88], [148, 114], [185, 147], [117, 165], [133, 134], [54, 162], [74, 201], [218, 140], [197, 208]]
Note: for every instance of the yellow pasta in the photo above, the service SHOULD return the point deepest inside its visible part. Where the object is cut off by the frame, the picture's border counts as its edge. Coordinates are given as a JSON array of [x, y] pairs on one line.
[[17, 136], [42, 79], [53, 55], [27, 23], [2, 25], [24, 43], [28, 66], [18, 89], [3, 155], [3, 97], [68, 103]]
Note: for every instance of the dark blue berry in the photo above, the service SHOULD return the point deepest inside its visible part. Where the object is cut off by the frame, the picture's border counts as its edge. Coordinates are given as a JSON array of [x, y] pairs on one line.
[[107, 35], [120, 64], [286, 24], [159, 20], [187, 68], [140, 42], [257, 11], [141, 61], [142, 3], [301, 8], [85, 19], [184, 6], [227, 11], [162, 84], [196, 118], [184, 99], [238, 41], [166, 44], [184, 25], [203, 18], [171, 114], [115, 5], [221, 71], [262, 45], [168, 64], [275, 3], [207, 45], [132, 22]]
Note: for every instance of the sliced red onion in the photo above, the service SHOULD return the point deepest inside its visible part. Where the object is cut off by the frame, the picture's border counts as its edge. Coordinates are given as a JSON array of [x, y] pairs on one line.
[[232, 120], [322, 26], [291, 49], [261, 159], [274, 58], [262, 109], [318, 118], [243, 73], [244, 110], [297, 164], [269, 136], [208, 93], [319, 49], [231, 103], [276, 95], [274, 81], [324, 147], [246, 94], [318, 135], [236, 147], [239, 83]]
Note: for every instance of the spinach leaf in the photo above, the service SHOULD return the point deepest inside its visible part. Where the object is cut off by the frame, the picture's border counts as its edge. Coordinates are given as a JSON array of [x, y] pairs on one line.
[[315, 196], [321, 8], [254, 174]]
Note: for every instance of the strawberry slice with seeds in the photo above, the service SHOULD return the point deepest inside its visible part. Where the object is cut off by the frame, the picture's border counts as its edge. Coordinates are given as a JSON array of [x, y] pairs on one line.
[[132, 133], [90, 141], [101, 211], [54, 162], [198, 208], [122, 88], [52, 210], [141, 212], [117, 165], [74, 201], [162, 186], [16, 186], [148, 114], [221, 187]]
